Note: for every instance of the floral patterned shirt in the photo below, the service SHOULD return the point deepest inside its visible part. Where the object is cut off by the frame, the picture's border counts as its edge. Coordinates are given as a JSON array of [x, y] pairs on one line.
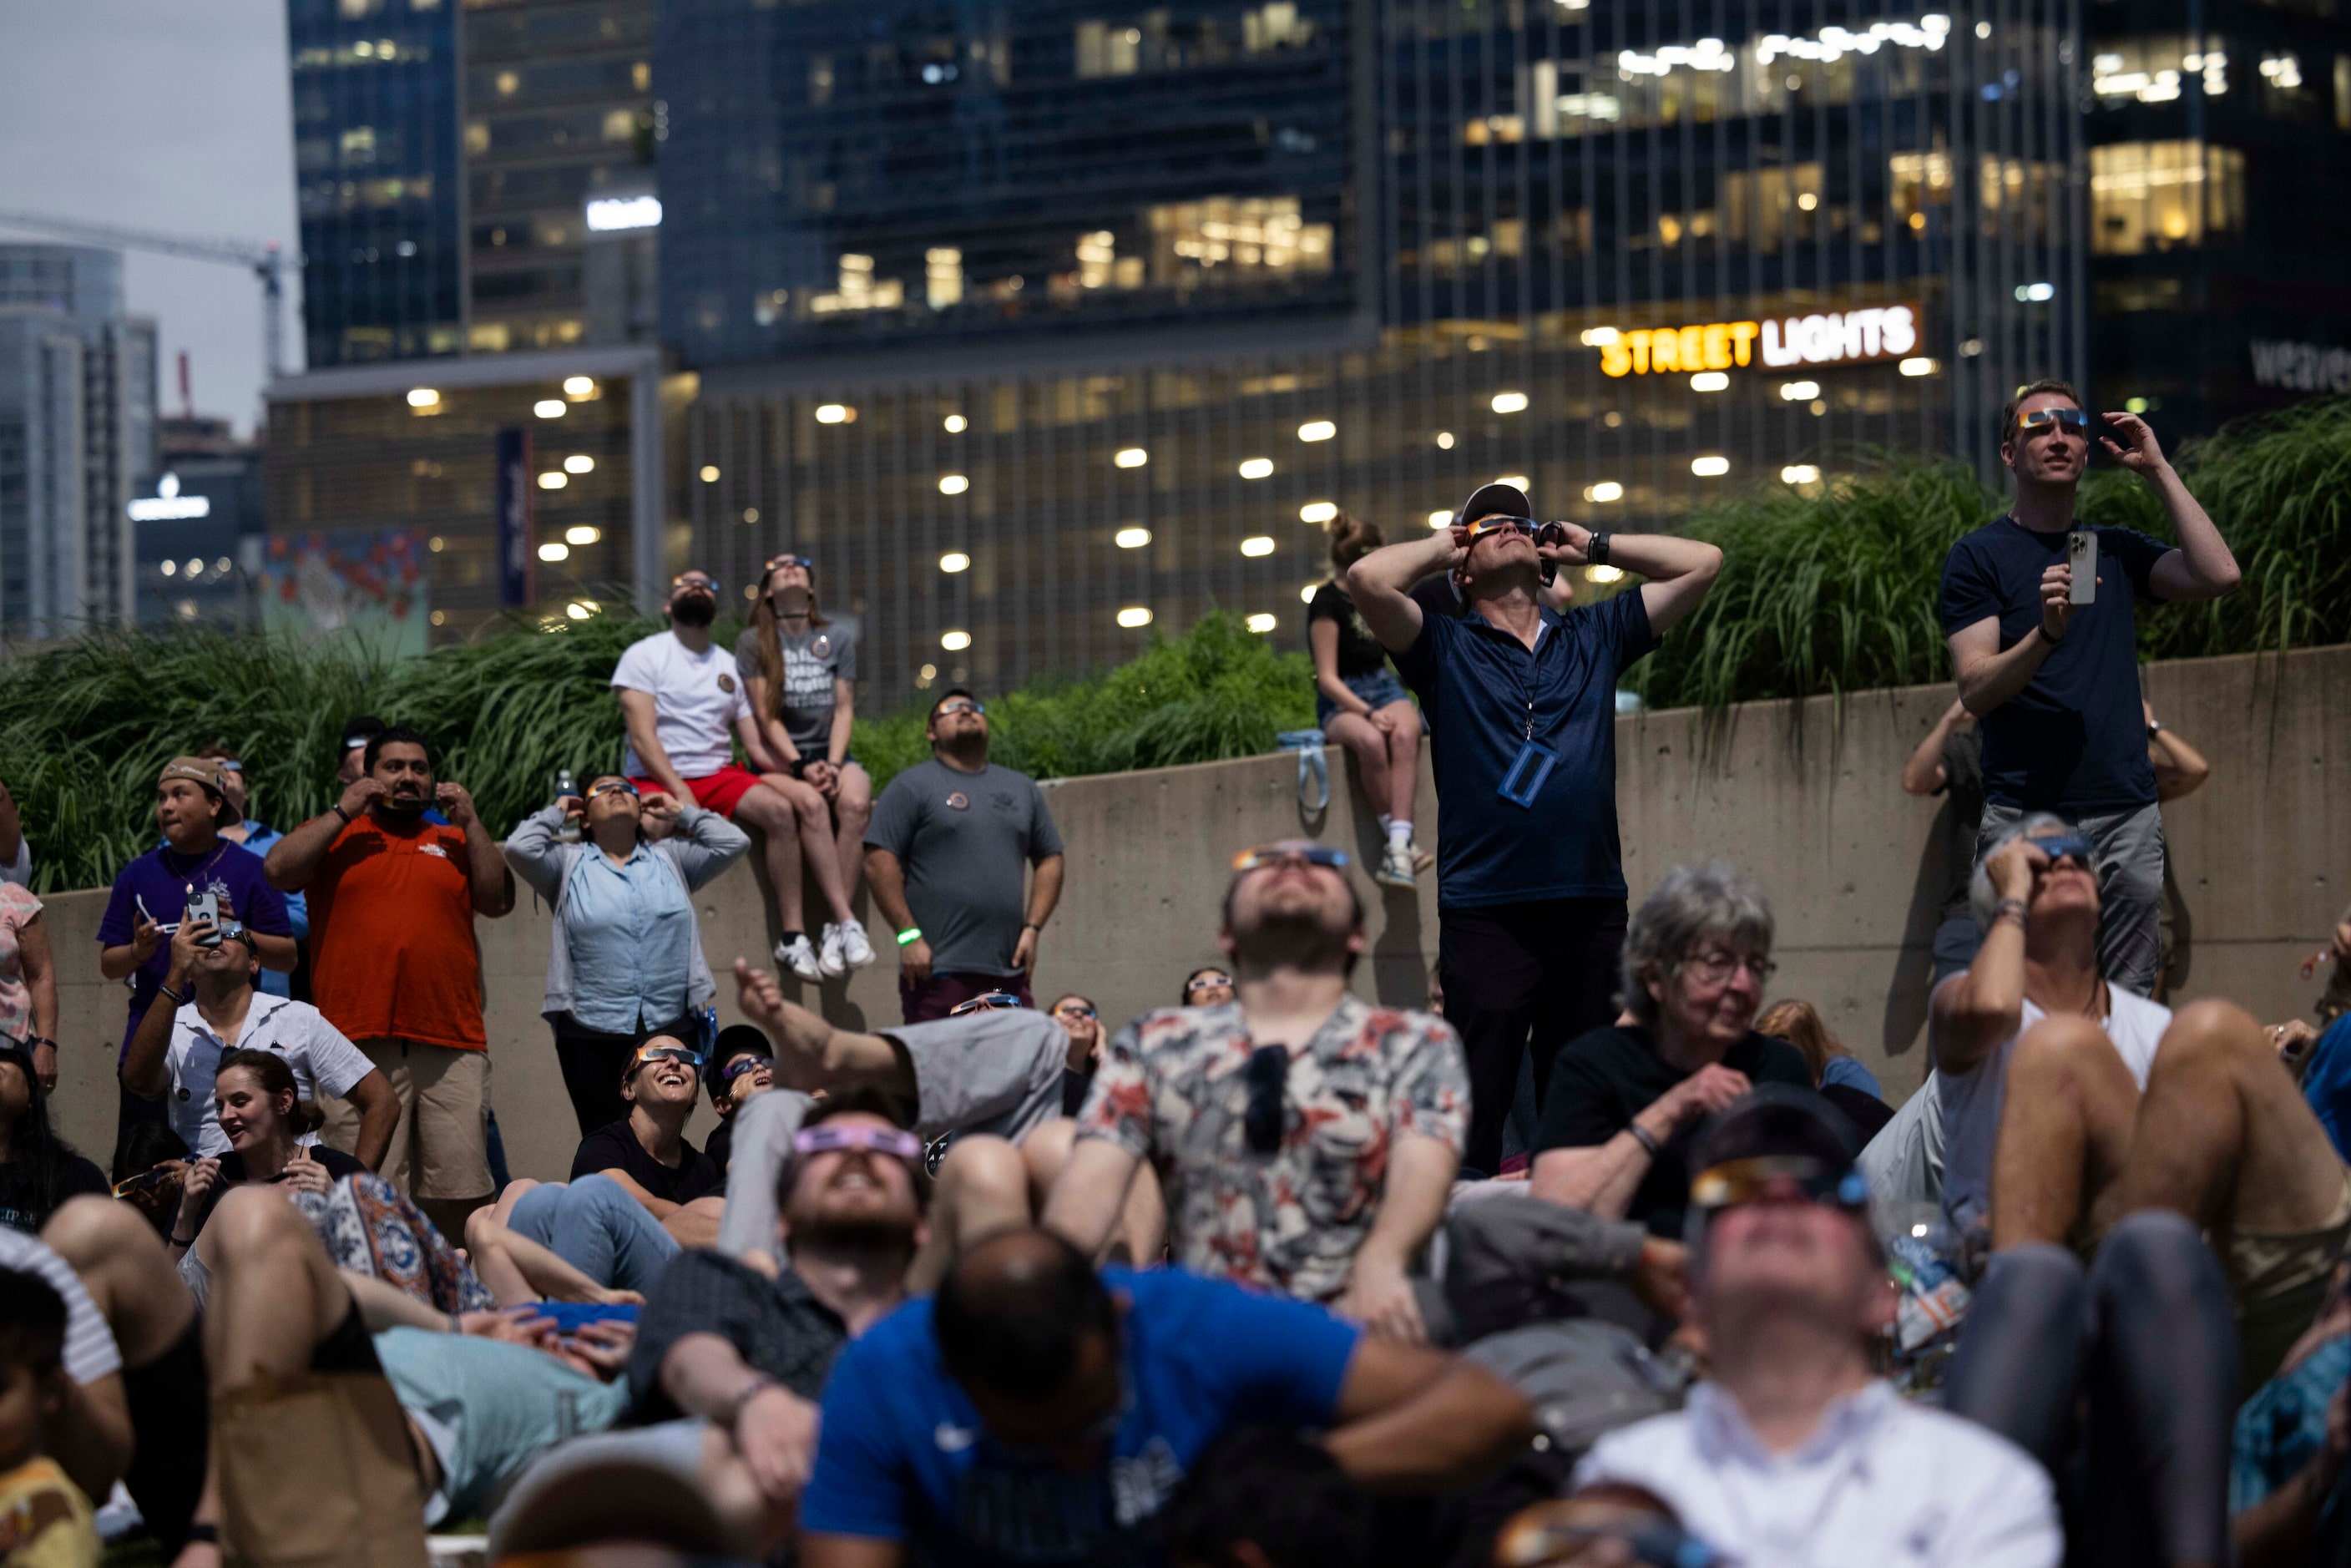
[[17, 908], [1174, 1089]]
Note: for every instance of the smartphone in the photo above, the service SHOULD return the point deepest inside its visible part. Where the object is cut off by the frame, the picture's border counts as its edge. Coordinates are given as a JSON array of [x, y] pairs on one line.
[[2082, 555], [205, 905]]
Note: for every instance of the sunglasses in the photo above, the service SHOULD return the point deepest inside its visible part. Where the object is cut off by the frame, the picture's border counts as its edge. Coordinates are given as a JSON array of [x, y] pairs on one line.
[[2074, 847], [2074, 419], [961, 704], [826, 1137], [743, 1064], [1737, 1182], [1321, 855], [1075, 1010], [984, 1004], [145, 1179], [647, 1053], [1269, 1078], [803, 562], [608, 786]]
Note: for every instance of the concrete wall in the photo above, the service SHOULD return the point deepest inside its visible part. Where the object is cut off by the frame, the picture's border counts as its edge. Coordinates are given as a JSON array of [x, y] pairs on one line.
[[1805, 795]]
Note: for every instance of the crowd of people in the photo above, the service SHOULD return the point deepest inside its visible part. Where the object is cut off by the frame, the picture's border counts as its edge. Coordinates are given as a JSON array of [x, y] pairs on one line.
[[1272, 1277]]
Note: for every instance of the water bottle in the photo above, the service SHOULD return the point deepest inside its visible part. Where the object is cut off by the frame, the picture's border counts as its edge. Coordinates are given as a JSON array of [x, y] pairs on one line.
[[565, 789]]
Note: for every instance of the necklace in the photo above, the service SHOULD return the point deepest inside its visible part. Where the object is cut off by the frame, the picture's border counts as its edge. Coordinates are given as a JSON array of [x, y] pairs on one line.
[[189, 887]]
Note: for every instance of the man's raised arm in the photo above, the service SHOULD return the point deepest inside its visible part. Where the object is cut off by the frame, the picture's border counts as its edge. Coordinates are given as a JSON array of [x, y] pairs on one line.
[[1381, 585]]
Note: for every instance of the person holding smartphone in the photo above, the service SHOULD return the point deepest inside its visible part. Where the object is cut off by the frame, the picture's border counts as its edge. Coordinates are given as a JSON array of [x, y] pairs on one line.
[[2048, 665]]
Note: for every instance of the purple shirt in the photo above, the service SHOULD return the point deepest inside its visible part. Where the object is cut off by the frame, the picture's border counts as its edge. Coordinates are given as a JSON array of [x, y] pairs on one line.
[[162, 879]]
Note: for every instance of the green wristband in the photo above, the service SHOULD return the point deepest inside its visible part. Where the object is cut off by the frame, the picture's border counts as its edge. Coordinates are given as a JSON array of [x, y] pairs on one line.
[[911, 934]]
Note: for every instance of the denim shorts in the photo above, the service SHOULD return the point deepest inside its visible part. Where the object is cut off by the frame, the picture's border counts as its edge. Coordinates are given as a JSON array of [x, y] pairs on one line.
[[1379, 688]]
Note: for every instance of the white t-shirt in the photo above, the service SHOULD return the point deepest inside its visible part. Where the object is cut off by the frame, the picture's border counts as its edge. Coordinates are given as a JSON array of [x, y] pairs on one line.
[[324, 1063], [697, 700], [1972, 1101], [90, 1353]]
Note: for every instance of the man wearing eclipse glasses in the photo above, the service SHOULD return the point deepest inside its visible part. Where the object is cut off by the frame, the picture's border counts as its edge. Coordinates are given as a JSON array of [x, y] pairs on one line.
[[1521, 705], [1306, 1140], [2038, 609]]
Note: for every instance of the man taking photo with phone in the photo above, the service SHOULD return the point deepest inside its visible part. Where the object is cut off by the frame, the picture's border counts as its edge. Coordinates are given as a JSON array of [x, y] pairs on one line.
[[2048, 665], [1521, 704]]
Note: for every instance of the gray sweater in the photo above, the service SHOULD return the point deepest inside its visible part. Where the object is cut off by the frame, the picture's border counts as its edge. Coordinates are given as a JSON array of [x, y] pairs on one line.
[[705, 844]]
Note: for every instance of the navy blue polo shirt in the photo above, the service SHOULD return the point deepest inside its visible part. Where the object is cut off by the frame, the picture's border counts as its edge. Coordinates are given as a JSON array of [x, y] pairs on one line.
[[1475, 681], [2075, 739]]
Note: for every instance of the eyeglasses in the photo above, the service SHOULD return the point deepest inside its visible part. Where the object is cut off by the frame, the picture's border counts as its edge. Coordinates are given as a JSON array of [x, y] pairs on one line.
[[2074, 847], [743, 1064], [986, 1003], [1715, 967], [2039, 419], [960, 705], [1268, 1077], [1737, 1182], [1075, 1010], [678, 1053], [803, 562], [827, 1136], [609, 786], [1321, 855]]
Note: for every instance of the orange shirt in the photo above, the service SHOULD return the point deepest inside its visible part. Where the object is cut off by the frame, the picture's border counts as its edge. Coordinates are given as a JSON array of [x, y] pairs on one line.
[[392, 934]]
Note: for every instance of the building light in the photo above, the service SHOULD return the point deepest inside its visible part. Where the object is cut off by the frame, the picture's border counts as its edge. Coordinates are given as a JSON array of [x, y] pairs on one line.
[[582, 534], [579, 463], [750, 514], [550, 408], [1919, 366], [1256, 545], [1710, 381], [955, 642], [710, 473], [1709, 467], [956, 424], [423, 397], [170, 568], [954, 562], [1256, 467], [1440, 519], [1800, 392], [553, 552], [577, 610], [1134, 615], [835, 414], [1509, 402], [168, 505], [578, 386], [606, 213], [1603, 574], [1445, 441], [1607, 490], [1800, 474], [553, 481], [1261, 621], [1983, 29], [1306, 593], [1131, 538], [1834, 43], [1886, 333], [1132, 457], [953, 484], [1515, 481], [1317, 512], [2035, 293], [1601, 337], [1317, 430]]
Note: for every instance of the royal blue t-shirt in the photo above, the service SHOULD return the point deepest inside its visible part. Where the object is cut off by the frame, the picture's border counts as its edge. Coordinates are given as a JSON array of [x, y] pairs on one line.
[[903, 1457], [1475, 682], [2327, 1082], [2075, 739], [161, 879]]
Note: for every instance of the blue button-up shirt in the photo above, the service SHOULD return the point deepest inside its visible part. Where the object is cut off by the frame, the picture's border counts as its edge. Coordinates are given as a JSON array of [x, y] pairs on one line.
[[630, 928]]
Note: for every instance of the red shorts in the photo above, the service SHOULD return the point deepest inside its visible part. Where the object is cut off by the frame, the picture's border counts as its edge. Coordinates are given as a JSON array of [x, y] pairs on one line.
[[721, 792]]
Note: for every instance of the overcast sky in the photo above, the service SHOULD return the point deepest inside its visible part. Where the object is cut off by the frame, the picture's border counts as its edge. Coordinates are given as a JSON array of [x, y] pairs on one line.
[[170, 115]]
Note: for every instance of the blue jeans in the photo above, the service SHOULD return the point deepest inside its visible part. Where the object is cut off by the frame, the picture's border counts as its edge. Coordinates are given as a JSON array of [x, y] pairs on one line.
[[597, 1228]]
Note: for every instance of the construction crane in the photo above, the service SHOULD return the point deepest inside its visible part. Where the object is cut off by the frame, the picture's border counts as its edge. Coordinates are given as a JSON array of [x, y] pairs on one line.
[[266, 262]]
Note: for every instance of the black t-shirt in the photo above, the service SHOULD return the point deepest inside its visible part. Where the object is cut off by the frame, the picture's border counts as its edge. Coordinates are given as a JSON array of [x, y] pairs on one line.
[[1601, 1081], [615, 1147], [24, 1206], [1360, 653], [721, 1147], [1963, 784], [232, 1173]]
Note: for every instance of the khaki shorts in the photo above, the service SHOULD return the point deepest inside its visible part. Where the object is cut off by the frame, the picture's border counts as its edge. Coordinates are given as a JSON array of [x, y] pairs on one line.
[[2280, 1282], [440, 1144]]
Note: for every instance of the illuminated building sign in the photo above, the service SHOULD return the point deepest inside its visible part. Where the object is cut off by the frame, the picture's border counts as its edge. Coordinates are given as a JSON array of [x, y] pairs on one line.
[[1851, 337], [169, 506], [609, 213]]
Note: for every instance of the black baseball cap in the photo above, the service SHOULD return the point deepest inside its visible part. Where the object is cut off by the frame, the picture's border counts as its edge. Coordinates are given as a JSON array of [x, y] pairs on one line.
[[732, 1040], [1495, 501], [1777, 1121]]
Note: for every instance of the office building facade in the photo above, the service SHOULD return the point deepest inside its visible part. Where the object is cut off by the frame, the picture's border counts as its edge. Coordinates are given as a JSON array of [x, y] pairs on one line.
[[77, 381], [199, 530], [1071, 322]]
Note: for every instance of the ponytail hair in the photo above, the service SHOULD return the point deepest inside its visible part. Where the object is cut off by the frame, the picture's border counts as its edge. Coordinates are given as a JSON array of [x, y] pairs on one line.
[[1352, 540], [276, 1080]]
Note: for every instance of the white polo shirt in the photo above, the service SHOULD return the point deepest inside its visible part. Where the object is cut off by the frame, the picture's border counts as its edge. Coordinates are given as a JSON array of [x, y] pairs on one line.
[[1881, 1484], [324, 1063], [697, 697]]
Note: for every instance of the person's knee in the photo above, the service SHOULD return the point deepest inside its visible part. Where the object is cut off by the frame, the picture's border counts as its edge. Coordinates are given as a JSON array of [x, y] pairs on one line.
[[984, 1169], [1047, 1150], [2212, 1030], [2035, 1283], [599, 1191], [2059, 1049], [250, 1223], [2156, 1259], [89, 1232]]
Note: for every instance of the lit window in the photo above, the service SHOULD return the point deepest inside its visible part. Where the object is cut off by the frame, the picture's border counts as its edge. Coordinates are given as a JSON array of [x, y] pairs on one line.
[[1709, 382], [1509, 402], [835, 414], [953, 484], [1445, 441], [710, 473], [1219, 242], [1131, 538], [582, 534], [1262, 621], [1317, 512], [1918, 367], [955, 642], [1607, 490], [1257, 469], [553, 481], [423, 397], [579, 463], [1800, 474], [955, 560], [1317, 430], [1709, 467], [170, 568], [2162, 195], [1800, 392], [1256, 545], [578, 386], [1132, 457], [859, 290], [1440, 519], [942, 277], [549, 408], [956, 424], [551, 551], [1134, 615]]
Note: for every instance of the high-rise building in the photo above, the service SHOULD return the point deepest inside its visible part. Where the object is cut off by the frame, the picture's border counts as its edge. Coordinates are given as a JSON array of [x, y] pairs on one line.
[[200, 534], [1042, 326], [77, 439], [376, 167], [2220, 206]]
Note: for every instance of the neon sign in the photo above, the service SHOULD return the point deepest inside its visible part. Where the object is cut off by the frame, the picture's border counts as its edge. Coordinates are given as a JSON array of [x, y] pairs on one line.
[[1851, 337]]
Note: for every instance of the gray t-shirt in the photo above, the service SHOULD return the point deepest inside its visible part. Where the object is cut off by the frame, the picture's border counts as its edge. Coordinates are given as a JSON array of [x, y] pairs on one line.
[[963, 839], [812, 662]]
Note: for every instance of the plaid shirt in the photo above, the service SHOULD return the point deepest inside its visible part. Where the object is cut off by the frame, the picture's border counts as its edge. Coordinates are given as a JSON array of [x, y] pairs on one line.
[[778, 1326], [1173, 1089]]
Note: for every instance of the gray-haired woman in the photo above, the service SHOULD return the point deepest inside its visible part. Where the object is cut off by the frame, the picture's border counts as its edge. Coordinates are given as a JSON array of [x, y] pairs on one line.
[[1626, 1101]]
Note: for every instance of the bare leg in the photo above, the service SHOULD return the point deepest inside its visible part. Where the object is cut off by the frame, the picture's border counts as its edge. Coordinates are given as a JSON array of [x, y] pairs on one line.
[[983, 1187], [126, 1272], [2065, 1131], [818, 851], [1402, 760], [1363, 737], [274, 1294], [519, 1270], [768, 811], [1142, 1231], [695, 1224], [500, 1210], [449, 1215], [852, 808]]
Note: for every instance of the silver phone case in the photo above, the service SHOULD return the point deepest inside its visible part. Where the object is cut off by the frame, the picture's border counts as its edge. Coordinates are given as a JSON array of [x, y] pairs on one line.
[[2082, 555]]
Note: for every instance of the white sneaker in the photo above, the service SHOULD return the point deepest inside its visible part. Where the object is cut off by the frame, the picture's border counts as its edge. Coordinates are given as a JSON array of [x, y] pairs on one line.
[[856, 952], [828, 956], [800, 957], [1395, 868]]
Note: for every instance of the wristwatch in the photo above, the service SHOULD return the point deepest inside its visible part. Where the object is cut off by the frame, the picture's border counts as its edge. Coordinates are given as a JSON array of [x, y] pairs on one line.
[[2155, 726], [1596, 549]]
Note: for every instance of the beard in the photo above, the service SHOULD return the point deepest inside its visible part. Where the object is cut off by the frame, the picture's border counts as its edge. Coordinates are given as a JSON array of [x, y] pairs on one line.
[[857, 1230], [405, 805], [694, 609]]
